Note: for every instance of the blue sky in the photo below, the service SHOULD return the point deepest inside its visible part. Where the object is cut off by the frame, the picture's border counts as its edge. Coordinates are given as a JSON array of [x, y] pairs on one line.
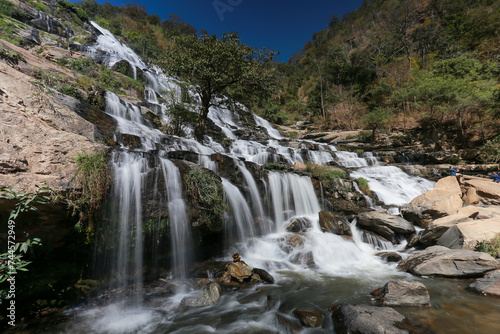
[[284, 25]]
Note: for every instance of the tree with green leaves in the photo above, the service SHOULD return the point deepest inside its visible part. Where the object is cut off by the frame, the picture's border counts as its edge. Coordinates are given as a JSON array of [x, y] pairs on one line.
[[220, 69]]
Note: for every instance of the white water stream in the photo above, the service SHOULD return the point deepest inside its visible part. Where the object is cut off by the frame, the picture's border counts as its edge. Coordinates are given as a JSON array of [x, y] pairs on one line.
[[318, 269]]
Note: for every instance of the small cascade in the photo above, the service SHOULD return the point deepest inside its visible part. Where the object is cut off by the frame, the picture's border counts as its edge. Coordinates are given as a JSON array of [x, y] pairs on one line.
[[392, 185], [239, 214], [292, 195], [272, 132], [114, 51], [258, 209], [180, 228], [126, 217]]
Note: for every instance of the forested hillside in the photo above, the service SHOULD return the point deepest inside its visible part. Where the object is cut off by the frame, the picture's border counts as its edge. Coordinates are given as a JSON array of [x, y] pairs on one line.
[[428, 65]]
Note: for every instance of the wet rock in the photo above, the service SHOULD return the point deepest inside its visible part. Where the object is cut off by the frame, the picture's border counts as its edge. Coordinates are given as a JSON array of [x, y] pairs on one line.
[[309, 317], [208, 268], [376, 240], [365, 319], [488, 285], [303, 258], [289, 323], [467, 235], [402, 293], [238, 271], [264, 275], [385, 224], [390, 257], [333, 224], [291, 242], [299, 224], [441, 261], [209, 295]]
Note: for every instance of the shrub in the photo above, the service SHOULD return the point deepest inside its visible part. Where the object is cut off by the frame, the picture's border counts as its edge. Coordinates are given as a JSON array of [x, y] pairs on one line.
[[327, 175], [490, 151], [91, 184], [363, 185], [491, 247], [71, 91], [205, 193]]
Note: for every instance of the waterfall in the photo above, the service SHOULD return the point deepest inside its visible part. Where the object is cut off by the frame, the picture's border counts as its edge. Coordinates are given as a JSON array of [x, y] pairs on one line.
[[239, 214], [129, 170], [292, 195], [180, 227]]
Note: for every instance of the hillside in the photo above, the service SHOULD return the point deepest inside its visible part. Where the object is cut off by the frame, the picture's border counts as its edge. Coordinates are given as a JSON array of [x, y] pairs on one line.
[[428, 70]]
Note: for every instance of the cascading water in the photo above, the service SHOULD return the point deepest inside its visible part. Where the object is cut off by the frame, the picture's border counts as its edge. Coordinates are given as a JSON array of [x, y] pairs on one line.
[[180, 230], [311, 268]]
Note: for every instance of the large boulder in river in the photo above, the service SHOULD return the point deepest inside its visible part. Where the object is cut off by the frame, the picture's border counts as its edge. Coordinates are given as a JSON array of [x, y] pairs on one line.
[[402, 293], [333, 224], [298, 224], [442, 261], [309, 317], [467, 235], [431, 205], [444, 200], [385, 224], [365, 319], [488, 285]]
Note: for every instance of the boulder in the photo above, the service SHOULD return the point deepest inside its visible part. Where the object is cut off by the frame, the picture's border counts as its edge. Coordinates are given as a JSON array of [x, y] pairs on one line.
[[467, 235], [438, 227], [209, 295], [402, 293], [264, 275], [333, 224], [432, 205], [470, 197], [299, 224], [450, 184], [488, 191], [309, 317], [238, 271], [291, 242], [487, 285], [390, 257], [385, 224], [365, 319], [442, 261]]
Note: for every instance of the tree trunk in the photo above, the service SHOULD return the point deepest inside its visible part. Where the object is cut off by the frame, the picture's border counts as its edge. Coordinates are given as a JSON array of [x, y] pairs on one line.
[[199, 130]]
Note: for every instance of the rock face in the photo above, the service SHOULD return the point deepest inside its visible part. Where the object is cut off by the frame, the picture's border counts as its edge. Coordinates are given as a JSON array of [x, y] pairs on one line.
[[402, 293], [441, 261], [364, 319], [37, 144], [209, 295], [467, 235], [385, 224], [309, 317], [330, 223], [432, 205], [487, 191], [488, 285], [238, 271]]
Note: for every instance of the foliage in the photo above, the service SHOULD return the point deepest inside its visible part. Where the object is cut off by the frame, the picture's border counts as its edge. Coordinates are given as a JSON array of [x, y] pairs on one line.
[[204, 191], [490, 151], [328, 176], [91, 184], [377, 119], [12, 260], [11, 57], [218, 69], [363, 185], [491, 247]]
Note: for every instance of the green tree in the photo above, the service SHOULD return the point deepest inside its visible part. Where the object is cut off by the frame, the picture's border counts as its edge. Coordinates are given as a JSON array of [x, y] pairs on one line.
[[378, 119], [218, 69]]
